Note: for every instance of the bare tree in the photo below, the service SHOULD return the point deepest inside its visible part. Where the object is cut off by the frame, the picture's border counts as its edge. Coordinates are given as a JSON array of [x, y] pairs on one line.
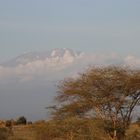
[[110, 94]]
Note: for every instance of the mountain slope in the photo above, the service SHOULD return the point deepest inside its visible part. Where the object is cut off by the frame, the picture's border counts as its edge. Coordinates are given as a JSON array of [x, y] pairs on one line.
[[67, 55]]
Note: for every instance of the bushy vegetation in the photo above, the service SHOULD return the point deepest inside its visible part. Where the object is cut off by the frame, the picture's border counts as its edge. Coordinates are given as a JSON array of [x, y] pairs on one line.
[[21, 121], [71, 129], [79, 129]]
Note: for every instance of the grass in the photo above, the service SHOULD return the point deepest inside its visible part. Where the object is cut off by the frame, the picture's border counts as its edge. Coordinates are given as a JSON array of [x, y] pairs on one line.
[[22, 132], [70, 129]]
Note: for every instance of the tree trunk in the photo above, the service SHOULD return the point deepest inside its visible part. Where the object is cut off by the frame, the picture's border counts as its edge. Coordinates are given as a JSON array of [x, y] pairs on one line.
[[115, 135]]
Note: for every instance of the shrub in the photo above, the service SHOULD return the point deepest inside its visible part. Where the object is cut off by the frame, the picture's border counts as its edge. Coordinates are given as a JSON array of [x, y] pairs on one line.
[[8, 123], [21, 121], [71, 128]]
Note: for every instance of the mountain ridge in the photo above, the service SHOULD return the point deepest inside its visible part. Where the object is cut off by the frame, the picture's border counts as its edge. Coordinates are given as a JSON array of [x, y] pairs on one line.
[[29, 57]]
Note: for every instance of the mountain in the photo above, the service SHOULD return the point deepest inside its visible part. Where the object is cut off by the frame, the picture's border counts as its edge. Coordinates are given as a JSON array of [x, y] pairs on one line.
[[53, 56]]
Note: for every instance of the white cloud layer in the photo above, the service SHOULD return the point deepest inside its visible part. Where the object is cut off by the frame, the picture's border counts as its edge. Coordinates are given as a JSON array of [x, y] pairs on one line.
[[64, 66], [132, 61]]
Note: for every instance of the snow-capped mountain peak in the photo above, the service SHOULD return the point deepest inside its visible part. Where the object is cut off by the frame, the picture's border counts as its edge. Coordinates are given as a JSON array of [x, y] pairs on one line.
[[54, 56]]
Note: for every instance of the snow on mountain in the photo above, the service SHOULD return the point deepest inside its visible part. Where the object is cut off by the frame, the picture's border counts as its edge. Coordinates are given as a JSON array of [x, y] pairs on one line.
[[54, 56]]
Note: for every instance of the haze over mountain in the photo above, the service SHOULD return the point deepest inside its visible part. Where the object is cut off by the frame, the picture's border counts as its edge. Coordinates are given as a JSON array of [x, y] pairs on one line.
[[28, 82]]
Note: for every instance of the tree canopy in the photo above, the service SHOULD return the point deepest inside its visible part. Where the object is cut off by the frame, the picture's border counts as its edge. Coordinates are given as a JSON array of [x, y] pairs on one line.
[[109, 93]]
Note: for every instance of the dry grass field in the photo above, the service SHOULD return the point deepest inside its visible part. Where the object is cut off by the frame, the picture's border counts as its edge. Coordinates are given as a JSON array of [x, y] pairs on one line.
[[65, 131]]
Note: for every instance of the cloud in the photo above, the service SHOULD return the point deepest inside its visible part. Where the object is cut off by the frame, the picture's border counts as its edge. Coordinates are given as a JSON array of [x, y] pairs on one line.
[[132, 61], [60, 67]]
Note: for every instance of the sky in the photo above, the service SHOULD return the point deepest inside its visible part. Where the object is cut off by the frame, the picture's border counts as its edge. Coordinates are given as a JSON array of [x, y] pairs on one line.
[[107, 31], [83, 25]]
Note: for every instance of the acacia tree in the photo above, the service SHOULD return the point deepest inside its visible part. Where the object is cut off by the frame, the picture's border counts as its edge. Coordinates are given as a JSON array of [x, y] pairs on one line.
[[110, 94]]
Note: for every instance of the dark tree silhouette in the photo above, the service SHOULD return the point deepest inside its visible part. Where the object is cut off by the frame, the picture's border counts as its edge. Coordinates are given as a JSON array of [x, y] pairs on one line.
[[21, 120]]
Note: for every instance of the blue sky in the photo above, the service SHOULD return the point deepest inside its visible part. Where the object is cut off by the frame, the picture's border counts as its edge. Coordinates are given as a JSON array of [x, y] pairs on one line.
[[83, 25]]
